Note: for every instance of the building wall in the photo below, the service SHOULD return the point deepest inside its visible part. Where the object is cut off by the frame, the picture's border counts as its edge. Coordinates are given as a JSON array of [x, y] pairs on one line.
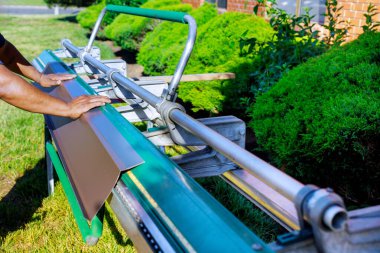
[[352, 11], [241, 5]]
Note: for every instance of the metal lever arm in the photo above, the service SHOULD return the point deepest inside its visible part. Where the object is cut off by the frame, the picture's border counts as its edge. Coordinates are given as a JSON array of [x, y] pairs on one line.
[[149, 13], [173, 16]]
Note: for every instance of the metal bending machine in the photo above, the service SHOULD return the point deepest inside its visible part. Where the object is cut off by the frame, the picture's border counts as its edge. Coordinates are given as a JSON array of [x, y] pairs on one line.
[[102, 157]]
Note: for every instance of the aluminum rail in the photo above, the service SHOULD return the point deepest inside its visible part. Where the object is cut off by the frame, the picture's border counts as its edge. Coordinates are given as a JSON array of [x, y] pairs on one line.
[[281, 182], [179, 17]]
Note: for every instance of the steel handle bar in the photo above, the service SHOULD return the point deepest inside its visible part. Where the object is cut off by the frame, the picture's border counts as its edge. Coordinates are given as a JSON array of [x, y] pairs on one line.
[[173, 16]]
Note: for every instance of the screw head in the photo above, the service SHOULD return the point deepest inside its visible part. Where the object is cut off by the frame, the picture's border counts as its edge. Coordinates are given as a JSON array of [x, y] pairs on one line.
[[257, 247]]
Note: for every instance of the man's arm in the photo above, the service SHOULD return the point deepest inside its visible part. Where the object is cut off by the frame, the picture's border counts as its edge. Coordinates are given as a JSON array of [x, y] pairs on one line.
[[17, 63], [16, 91]]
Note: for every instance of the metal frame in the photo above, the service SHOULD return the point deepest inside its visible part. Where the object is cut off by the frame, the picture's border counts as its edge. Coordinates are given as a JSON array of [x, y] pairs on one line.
[[170, 93], [171, 112], [321, 216]]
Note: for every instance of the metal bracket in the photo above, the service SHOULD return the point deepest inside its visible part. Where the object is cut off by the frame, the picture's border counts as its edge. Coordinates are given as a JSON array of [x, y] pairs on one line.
[[64, 53], [204, 161], [324, 211], [82, 69]]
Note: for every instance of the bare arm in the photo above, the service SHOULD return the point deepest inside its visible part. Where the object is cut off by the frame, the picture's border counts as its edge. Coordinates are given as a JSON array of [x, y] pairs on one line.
[[17, 63], [16, 91]]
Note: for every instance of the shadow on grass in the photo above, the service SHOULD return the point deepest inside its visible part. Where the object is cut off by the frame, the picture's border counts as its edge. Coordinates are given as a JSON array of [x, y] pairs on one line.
[[127, 55], [71, 19], [115, 232], [25, 197]]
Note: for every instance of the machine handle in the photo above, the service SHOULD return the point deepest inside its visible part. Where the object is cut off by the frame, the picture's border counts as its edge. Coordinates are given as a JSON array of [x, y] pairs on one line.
[[149, 13]]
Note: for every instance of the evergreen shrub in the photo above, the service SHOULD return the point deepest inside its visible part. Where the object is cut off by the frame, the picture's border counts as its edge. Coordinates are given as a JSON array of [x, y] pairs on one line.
[[216, 50], [321, 121], [87, 17], [128, 31]]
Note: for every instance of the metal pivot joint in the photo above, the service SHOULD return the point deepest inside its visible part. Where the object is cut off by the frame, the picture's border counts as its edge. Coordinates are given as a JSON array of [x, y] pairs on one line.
[[321, 207], [324, 212], [164, 109]]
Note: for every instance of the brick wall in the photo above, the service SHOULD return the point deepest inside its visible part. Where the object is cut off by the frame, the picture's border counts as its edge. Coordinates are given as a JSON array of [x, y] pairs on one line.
[[352, 11], [241, 5], [194, 3]]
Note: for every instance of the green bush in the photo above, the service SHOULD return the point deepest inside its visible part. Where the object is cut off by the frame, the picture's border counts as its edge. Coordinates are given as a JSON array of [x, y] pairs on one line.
[[128, 31], [87, 17], [164, 45], [216, 50], [321, 121]]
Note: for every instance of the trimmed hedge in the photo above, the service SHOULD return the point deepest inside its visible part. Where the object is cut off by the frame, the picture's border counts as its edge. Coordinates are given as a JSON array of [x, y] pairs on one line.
[[216, 50], [162, 48], [87, 17], [322, 120], [128, 31]]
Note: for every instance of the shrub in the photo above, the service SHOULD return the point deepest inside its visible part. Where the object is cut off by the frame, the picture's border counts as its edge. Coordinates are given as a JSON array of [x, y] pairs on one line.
[[164, 45], [128, 31], [87, 17], [216, 50], [65, 3], [321, 121]]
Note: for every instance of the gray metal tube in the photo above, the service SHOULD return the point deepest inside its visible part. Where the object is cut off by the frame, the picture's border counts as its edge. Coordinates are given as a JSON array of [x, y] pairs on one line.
[[95, 30], [117, 77], [184, 57], [281, 182]]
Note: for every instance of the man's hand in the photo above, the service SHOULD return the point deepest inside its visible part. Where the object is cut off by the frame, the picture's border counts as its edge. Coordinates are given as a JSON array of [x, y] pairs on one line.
[[82, 104], [54, 79]]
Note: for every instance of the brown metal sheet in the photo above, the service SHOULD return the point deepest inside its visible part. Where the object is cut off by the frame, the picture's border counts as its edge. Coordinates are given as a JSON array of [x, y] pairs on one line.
[[92, 149]]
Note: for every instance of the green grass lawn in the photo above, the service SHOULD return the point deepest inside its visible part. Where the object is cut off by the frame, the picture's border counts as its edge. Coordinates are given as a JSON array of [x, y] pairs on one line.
[[22, 2], [29, 219]]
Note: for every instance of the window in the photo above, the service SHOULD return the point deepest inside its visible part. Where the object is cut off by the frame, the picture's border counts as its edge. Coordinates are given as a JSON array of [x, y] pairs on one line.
[[297, 7], [221, 4]]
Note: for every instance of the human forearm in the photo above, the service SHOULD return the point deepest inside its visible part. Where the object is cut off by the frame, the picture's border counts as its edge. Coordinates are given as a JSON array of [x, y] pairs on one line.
[[16, 91], [17, 63]]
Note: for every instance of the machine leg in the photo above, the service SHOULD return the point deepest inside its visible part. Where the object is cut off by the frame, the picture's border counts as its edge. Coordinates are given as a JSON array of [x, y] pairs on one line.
[[49, 164]]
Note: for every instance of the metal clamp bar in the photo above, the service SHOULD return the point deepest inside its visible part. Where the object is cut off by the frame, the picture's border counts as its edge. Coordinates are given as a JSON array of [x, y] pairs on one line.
[[90, 235], [278, 180], [173, 16], [159, 14]]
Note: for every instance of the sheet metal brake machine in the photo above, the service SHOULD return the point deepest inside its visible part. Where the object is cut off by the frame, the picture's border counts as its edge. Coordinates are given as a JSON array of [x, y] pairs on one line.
[[103, 157]]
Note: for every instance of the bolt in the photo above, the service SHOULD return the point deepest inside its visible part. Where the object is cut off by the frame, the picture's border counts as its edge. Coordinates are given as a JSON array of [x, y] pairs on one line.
[[257, 247]]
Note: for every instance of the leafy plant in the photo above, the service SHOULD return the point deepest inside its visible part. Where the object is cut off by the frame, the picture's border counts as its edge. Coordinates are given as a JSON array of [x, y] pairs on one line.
[[370, 25], [216, 50], [79, 3], [321, 121], [128, 31], [294, 42], [335, 25], [87, 17], [161, 49]]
